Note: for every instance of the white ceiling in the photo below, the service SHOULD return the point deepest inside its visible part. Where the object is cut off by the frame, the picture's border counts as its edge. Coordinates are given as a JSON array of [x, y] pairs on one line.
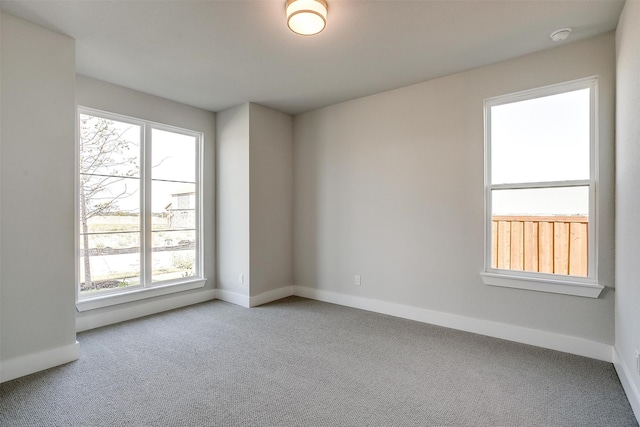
[[219, 54]]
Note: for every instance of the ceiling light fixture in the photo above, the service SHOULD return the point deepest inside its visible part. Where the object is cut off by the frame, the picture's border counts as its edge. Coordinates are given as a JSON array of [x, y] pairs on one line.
[[561, 34], [306, 17]]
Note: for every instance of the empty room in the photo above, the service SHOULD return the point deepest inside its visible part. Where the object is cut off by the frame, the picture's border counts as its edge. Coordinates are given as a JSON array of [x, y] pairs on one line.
[[319, 212]]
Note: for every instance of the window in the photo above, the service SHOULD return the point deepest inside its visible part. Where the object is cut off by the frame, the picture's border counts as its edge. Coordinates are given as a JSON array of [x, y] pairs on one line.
[[139, 210], [540, 189]]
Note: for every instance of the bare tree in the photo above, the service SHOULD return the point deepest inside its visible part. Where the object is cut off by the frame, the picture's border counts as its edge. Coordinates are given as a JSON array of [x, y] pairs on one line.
[[107, 161]]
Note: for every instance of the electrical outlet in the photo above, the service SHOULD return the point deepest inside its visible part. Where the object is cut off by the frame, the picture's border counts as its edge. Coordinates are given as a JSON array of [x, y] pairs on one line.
[[357, 281], [241, 279]]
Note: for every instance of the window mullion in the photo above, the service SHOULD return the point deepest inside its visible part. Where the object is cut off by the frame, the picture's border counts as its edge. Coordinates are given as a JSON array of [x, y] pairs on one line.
[[593, 185], [146, 208], [199, 207], [544, 184]]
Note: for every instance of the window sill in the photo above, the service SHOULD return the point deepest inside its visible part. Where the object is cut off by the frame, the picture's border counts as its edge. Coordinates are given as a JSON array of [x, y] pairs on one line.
[[582, 288], [91, 303]]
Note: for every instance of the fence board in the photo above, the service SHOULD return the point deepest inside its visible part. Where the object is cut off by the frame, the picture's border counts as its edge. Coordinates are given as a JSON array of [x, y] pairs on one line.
[[545, 247], [504, 244], [494, 244], [578, 247], [517, 245], [531, 246], [561, 248]]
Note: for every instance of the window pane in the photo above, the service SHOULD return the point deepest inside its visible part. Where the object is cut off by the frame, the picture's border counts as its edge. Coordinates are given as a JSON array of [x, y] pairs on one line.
[[541, 230], [109, 261], [173, 156], [109, 204], [542, 139], [109, 147], [173, 254], [173, 195]]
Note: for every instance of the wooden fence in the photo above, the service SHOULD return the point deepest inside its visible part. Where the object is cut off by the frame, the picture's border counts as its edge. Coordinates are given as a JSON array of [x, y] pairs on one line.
[[546, 244]]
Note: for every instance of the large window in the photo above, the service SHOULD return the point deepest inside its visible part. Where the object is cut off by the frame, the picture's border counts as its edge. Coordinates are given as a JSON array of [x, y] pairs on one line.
[[139, 209], [540, 189]]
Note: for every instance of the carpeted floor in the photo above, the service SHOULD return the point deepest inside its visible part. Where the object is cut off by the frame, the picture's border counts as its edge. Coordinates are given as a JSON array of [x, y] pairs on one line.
[[298, 362]]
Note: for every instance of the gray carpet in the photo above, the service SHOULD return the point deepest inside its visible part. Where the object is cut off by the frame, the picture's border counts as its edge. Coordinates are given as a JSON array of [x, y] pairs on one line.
[[298, 362]]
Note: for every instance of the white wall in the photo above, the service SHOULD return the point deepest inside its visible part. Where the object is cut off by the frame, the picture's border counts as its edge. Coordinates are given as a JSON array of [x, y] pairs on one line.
[[232, 204], [390, 187], [628, 201], [255, 205], [271, 180], [108, 97], [37, 323]]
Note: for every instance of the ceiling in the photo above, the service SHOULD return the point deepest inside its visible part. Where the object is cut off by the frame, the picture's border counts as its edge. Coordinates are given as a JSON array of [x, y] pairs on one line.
[[218, 54]]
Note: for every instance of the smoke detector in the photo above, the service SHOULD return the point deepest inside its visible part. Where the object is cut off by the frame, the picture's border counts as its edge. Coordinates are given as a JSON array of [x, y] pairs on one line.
[[561, 34]]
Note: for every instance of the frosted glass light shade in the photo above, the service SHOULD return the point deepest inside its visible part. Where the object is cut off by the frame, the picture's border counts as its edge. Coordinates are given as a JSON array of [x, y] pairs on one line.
[[306, 17]]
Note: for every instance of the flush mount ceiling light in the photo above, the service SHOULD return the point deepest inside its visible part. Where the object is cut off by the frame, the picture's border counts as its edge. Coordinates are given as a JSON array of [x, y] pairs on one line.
[[559, 35], [306, 17]]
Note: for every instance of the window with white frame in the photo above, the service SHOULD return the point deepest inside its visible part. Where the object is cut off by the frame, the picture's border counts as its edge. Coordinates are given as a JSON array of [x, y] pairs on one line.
[[139, 209], [540, 189]]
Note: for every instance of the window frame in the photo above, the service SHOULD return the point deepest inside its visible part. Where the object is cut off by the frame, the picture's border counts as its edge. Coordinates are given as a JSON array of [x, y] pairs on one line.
[[147, 288], [546, 282]]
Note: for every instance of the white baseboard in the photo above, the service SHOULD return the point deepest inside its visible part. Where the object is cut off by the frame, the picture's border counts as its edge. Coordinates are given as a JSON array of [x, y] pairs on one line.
[[632, 392], [550, 340], [119, 313], [233, 298], [35, 362], [272, 295]]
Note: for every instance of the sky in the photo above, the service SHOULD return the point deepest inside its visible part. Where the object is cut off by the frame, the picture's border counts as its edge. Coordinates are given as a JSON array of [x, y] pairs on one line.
[[540, 140]]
